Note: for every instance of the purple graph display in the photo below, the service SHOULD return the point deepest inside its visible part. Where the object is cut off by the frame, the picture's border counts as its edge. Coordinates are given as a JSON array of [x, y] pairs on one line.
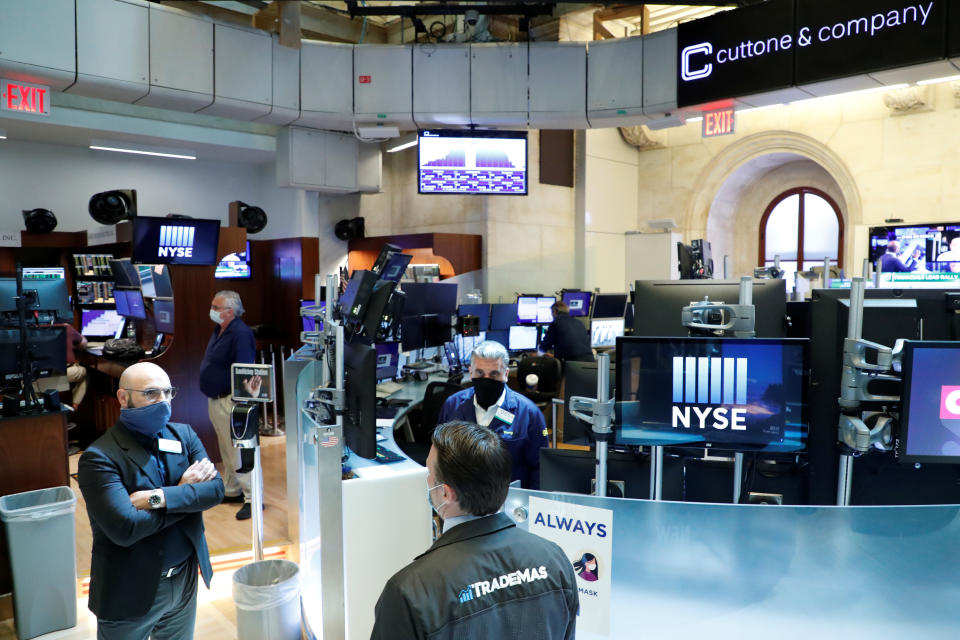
[[473, 165]]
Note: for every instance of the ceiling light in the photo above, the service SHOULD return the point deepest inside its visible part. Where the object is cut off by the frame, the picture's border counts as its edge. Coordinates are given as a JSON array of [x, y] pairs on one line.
[[697, 119], [766, 106], [938, 80], [142, 149], [404, 142]]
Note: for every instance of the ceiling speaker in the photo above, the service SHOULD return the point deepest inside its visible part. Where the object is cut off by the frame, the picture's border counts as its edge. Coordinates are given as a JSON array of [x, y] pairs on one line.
[[351, 229], [39, 220], [111, 207]]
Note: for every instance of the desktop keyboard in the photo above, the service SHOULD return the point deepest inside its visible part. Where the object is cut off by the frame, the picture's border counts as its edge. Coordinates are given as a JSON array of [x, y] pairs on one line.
[[385, 456]]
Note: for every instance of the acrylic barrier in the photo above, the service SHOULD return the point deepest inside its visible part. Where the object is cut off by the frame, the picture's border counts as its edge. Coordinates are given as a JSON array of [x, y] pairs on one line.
[[695, 570]]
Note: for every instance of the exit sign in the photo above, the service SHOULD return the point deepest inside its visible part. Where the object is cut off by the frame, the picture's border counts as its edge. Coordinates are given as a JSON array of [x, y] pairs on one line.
[[717, 123], [24, 97]]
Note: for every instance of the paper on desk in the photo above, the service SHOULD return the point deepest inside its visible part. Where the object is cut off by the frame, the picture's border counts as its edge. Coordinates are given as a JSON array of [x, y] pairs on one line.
[[384, 423], [378, 471]]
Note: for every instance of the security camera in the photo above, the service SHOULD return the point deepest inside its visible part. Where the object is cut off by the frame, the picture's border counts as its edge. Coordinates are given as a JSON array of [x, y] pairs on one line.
[[471, 16]]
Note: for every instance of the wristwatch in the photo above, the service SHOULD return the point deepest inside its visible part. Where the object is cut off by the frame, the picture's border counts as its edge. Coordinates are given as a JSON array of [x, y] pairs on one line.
[[155, 500]]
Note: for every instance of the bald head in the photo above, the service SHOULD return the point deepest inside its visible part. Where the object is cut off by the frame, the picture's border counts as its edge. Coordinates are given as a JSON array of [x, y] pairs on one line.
[[138, 378]]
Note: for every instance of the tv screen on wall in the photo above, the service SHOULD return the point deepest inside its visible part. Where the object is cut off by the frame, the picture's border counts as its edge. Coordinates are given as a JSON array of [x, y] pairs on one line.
[[472, 162], [175, 241]]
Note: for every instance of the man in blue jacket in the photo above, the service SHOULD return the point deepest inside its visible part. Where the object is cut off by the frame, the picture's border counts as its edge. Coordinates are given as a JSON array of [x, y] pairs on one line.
[[512, 416], [146, 483]]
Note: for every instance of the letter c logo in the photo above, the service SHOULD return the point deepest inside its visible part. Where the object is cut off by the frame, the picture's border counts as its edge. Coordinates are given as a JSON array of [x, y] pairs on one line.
[[950, 403], [704, 48]]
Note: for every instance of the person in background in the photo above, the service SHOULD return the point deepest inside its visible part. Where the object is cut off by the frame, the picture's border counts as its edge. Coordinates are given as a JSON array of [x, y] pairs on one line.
[[566, 337], [146, 483], [512, 416], [951, 257], [446, 591], [890, 262], [76, 372], [231, 341]]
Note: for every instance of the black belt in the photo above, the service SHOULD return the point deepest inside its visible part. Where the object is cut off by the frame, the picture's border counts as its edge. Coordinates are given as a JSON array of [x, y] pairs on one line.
[[172, 571]]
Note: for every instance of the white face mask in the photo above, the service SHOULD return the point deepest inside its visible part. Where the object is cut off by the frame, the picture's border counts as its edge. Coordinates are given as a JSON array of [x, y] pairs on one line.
[[215, 316], [430, 500]]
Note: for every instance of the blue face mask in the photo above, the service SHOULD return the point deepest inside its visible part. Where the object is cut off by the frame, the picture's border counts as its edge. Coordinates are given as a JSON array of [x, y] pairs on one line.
[[147, 421]]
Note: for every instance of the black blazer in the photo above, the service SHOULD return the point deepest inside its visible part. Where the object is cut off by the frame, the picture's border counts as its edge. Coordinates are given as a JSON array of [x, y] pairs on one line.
[[127, 542]]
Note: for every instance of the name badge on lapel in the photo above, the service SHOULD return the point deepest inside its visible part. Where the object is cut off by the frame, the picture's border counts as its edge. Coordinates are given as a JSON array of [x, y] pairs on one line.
[[170, 446], [504, 415]]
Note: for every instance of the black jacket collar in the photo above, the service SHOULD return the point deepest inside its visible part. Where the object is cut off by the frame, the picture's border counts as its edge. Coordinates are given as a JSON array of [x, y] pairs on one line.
[[472, 529]]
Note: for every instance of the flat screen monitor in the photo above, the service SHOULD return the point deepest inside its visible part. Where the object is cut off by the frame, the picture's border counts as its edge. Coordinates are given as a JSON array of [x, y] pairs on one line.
[[161, 281], [609, 305], [657, 304], [522, 338], [917, 255], [388, 360], [605, 331], [359, 419], [130, 303], [930, 416], [503, 316], [125, 273], [47, 348], [145, 271], [465, 346], [482, 311], [452, 356], [411, 333], [726, 393], [436, 330], [499, 335], [395, 266], [527, 309], [578, 301], [100, 323], [163, 315], [234, 265], [43, 273], [628, 473], [472, 162], [175, 241], [430, 297], [52, 297]]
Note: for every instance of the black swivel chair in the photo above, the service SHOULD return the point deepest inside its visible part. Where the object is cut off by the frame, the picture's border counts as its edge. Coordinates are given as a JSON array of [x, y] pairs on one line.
[[433, 398], [548, 370]]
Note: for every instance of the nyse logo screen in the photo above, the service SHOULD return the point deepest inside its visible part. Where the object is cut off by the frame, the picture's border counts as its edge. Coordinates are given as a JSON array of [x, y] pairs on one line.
[[716, 392], [176, 241], [166, 241]]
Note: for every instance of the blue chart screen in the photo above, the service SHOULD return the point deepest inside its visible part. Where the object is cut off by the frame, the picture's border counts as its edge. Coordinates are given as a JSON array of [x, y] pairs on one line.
[[473, 165]]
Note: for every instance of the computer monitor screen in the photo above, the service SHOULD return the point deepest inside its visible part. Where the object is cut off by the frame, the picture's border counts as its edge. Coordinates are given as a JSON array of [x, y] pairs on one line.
[[604, 332], [395, 266], [51, 298], [145, 271], [46, 346], [130, 303], [930, 416], [99, 323], [125, 273], [482, 311], [359, 419], [452, 356], [522, 338], [503, 316], [499, 335], [545, 310], [411, 333], [163, 315], [657, 304], [917, 255], [527, 309], [430, 297], [161, 281], [388, 360], [609, 305], [436, 330], [472, 162], [43, 273], [175, 241], [234, 265], [727, 393], [578, 301]]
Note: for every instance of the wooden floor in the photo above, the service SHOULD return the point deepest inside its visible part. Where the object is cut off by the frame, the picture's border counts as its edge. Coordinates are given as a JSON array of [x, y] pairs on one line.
[[228, 539]]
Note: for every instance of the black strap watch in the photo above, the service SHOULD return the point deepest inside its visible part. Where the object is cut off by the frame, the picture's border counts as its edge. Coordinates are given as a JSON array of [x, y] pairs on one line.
[[155, 500]]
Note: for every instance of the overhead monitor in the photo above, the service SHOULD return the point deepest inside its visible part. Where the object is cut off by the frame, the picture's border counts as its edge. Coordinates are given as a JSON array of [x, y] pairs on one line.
[[522, 338], [175, 241], [578, 302], [605, 331], [163, 315], [917, 255], [609, 305], [100, 323], [430, 297], [234, 265], [129, 303], [728, 393], [930, 416], [472, 162]]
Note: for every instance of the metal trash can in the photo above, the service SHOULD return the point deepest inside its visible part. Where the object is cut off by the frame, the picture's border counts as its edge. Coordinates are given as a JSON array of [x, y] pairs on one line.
[[267, 596], [43, 559]]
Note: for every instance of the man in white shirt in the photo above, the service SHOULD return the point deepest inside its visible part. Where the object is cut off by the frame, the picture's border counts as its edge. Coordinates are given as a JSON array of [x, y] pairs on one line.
[[952, 256]]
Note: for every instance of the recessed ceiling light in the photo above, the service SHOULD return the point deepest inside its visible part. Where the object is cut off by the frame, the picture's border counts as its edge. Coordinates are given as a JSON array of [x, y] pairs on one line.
[[142, 149]]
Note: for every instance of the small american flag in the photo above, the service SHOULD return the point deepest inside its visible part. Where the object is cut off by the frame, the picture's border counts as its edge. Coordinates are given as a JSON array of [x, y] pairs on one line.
[[329, 441]]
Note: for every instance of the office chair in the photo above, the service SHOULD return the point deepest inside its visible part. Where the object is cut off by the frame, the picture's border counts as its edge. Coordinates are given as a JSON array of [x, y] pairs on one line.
[[433, 398], [548, 370]]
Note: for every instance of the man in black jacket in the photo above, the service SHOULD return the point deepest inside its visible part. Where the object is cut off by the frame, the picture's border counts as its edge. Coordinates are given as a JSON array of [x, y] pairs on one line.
[[566, 337], [146, 482], [483, 578]]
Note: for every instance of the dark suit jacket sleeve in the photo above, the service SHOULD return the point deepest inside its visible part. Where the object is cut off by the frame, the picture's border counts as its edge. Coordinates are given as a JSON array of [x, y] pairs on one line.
[[536, 440], [447, 410], [192, 498], [108, 502], [394, 618], [549, 339]]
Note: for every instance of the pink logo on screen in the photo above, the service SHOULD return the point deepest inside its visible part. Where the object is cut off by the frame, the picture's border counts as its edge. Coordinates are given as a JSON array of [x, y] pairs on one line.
[[950, 403]]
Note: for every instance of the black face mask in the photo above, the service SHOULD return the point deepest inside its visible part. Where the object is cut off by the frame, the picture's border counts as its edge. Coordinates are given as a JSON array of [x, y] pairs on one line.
[[487, 391]]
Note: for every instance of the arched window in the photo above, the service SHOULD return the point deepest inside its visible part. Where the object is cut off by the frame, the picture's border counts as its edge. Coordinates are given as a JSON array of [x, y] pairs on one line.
[[803, 226]]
